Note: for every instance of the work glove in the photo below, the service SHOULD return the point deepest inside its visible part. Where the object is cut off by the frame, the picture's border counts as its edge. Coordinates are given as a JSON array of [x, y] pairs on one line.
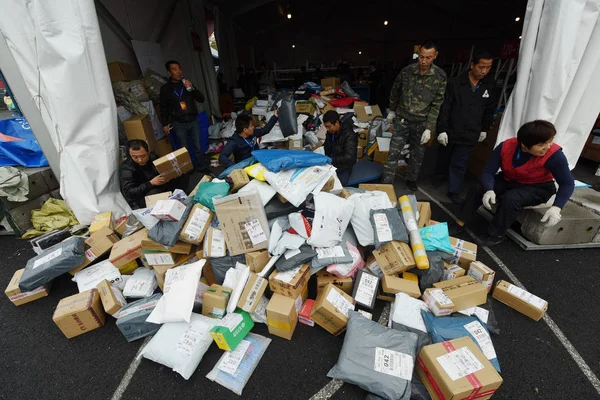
[[489, 198], [443, 139], [482, 136], [425, 136], [552, 216], [391, 115]]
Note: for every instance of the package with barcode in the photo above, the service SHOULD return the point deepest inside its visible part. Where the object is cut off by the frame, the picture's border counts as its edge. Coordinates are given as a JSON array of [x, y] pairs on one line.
[[131, 319], [387, 226], [366, 286], [332, 216], [181, 345]]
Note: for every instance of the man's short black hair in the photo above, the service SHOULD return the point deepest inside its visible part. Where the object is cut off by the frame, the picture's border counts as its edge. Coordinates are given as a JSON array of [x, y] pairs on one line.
[[331, 116], [536, 132], [137, 144], [242, 122], [168, 64], [429, 44], [483, 55]]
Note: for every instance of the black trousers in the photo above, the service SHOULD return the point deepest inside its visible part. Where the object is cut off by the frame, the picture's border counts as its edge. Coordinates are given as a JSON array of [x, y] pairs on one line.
[[511, 198], [344, 175], [452, 162]]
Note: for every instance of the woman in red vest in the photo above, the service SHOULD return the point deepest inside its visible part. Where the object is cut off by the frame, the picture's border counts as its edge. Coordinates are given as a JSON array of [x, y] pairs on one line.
[[529, 163]]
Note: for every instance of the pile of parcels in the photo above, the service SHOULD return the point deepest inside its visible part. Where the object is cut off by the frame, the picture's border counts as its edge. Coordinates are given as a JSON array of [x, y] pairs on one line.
[[208, 266]]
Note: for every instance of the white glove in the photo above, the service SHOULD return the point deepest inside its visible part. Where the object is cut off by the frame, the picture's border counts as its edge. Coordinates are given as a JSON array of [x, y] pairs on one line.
[[482, 136], [426, 136], [552, 215], [489, 198], [391, 115], [443, 139]]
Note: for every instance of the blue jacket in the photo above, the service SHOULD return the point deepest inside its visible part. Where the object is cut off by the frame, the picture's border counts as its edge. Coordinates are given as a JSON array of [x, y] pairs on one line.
[[242, 148]]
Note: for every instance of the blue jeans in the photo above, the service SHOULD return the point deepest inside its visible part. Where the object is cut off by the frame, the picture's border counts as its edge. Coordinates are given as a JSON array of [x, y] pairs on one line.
[[187, 132]]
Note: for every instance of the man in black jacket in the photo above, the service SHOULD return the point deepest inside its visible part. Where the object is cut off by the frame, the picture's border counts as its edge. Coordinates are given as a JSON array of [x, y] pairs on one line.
[[340, 144], [139, 177], [465, 116], [178, 107], [243, 142]]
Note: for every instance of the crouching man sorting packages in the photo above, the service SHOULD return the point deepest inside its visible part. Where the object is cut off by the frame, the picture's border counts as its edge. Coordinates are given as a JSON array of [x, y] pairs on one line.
[[528, 163], [139, 177]]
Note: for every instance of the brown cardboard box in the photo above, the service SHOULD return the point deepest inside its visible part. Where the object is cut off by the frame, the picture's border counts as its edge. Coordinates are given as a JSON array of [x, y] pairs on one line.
[[153, 198], [163, 147], [328, 185], [363, 138], [197, 224], [293, 283], [243, 222], [80, 313], [394, 257], [331, 309], [373, 265], [282, 316], [120, 226], [424, 214], [330, 82], [214, 243], [324, 278], [393, 284], [464, 292], [14, 293], [452, 271], [380, 157], [433, 361], [179, 247], [257, 260], [240, 179], [482, 273], [120, 71], [464, 252], [97, 245], [328, 107], [295, 144], [140, 127], [365, 112], [281, 198], [110, 302], [438, 302], [128, 248], [305, 107], [253, 291], [214, 301], [174, 164], [382, 187], [518, 299]]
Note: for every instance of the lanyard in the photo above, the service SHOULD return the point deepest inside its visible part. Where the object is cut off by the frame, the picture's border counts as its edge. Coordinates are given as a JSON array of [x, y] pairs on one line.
[[476, 87], [180, 95], [251, 144]]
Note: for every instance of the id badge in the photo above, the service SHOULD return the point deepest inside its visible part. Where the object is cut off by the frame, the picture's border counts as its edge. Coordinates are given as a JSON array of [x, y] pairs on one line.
[[183, 105]]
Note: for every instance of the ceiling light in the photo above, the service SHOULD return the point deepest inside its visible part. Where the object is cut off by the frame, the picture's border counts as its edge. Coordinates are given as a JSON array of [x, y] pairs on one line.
[[293, 46], [520, 37], [360, 52], [517, 19], [385, 22], [289, 16]]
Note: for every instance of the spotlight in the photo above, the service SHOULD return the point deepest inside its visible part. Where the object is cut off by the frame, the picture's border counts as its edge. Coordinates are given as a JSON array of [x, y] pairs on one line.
[[289, 16], [385, 22], [517, 19], [293, 46], [360, 52]]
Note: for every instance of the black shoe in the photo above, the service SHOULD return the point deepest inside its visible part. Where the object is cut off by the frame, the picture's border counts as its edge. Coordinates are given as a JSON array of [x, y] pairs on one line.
[[412, 185], [489, 240], [437, 181], [455, 229], [455, 198], [203, 170]]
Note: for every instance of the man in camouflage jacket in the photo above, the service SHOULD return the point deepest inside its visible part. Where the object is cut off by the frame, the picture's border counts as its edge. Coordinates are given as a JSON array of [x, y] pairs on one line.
[[415, 101]]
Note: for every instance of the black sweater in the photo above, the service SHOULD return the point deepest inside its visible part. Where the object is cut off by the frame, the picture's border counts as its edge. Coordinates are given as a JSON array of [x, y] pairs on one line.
[[171, 94]]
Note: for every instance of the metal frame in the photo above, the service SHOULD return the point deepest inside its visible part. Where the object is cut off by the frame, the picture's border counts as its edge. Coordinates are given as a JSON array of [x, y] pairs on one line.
[[510, 67]]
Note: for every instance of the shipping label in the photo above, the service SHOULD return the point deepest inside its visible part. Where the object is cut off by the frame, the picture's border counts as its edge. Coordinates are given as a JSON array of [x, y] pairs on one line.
[[232, 359], [340, 302], [382, 227], [367, 288], [329, 252], [255, 231], [191, 337], [47, 258], [196, 224], [394, 363], [287, 276], [526, 296], [459, 363], [483, 339]]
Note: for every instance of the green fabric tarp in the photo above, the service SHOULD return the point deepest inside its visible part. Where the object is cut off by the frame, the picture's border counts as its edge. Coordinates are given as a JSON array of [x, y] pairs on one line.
[[54, 214]]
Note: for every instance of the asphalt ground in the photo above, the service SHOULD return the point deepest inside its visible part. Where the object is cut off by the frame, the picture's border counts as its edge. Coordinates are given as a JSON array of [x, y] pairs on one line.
[[41, 363]]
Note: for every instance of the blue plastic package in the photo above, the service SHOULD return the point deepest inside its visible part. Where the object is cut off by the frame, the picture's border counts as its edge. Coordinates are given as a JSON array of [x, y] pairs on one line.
[[436, 237], [242, 164], [19, 146], [281, 160], [449, 328]]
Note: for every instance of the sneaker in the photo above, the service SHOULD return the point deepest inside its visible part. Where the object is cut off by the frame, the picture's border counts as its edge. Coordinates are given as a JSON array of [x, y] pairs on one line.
[[489, 240], [455, 198], [437, 181], [412, 185]]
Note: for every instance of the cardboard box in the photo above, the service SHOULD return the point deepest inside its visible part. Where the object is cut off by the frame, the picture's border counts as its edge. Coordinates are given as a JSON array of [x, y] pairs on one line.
[[168, 210], [290, 283], [129, 267], [17, 297], [330, 83], [373, 266], [197, 224], [163, 147], [239, 179], [305, 311], [394, 257], [253, 291], [174, 164], [365, 289], [324, 278], [295, 144], [382, 187], [257, 260], [410, 276], [179, 247], [111, 297], [482, 273], [120, 226], [282, 316], [452, 271], [97, 245], [464, 252], [437, 301], [214, 243], [331, 309], [128, 248], [214, 301], [464, 292], [305, 107], [518, 299], [360, 152], [232, 329], [365, 112], [326, 92], [120, 71], [140, 127], [424, 214], [101, 220], [155, 258], [244, 222], [392, 285], [153, 198], [442, 367], [80, 313], [380, 157]]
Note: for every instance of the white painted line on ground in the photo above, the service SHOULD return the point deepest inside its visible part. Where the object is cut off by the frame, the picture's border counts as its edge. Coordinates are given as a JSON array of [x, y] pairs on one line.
[[130, 372], [587, 371]]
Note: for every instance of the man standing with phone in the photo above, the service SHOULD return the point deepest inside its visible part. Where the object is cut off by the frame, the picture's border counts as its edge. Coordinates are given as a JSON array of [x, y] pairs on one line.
[[178, 107]]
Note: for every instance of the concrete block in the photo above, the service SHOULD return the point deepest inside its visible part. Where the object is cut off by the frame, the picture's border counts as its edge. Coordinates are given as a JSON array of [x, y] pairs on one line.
[[55, 194], [578, 225], [37, 184], [50, 179], [20, 217]]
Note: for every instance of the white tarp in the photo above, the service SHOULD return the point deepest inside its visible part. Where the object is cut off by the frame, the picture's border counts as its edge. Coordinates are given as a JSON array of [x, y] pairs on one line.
[[58, 48], [558, 72]]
